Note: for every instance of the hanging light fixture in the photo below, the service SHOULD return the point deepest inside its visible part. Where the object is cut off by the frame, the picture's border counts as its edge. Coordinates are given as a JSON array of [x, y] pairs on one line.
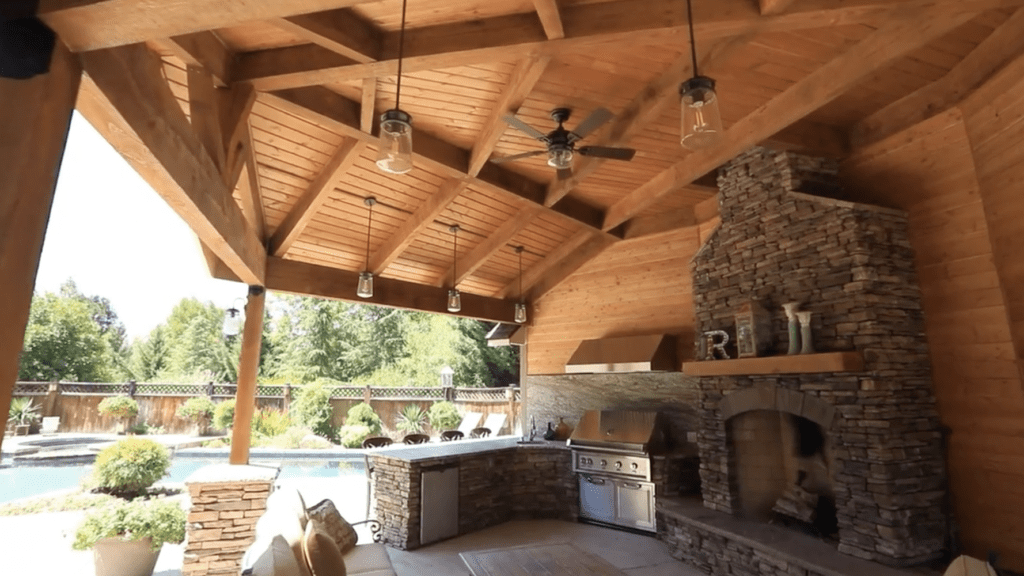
[[701, 119], [394, 149], [454, 298], [233, 319], [365, 287], [521, 305]]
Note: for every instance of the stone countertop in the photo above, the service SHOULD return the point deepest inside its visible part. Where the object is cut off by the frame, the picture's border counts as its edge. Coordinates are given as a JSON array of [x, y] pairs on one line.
[[436, 450]]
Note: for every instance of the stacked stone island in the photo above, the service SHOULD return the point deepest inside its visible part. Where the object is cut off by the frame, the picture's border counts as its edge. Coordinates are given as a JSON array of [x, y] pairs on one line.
[[226, 503]]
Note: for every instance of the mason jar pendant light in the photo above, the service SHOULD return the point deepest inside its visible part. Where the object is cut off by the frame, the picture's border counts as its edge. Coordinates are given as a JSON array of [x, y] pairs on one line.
[[454, 298], [365, 287], [520, 317], [394, 149], [701, 120]]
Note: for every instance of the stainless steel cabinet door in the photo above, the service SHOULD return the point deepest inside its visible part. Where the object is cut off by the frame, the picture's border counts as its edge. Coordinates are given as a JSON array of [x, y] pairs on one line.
[[597, 498], [634, 504]]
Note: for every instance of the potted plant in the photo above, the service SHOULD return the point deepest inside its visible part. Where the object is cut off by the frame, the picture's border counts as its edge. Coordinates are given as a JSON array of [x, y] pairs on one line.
[[126, 537], [412, 419], [21, 415], [198, 410], [124, 408]]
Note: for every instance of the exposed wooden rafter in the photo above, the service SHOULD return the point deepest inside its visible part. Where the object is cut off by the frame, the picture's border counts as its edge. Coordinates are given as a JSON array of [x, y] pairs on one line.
[[236, 104], [251, 199], [416, 223], [127, 100], [902, 34], [550, 19], [341, 31], [538, 271], [772, 7], [368, 106], [483, 251], [203, 49]]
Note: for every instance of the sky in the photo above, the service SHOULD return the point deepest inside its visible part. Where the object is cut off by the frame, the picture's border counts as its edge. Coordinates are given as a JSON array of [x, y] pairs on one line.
[[115, 237]]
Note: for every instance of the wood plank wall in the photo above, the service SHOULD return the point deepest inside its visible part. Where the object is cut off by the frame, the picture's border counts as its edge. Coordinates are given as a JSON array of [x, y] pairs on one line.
[[641, 286], [929, 171]]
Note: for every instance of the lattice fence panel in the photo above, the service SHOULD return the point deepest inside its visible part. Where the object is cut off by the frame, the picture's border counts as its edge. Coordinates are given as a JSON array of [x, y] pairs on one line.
[[31, 388], [481, 394], [92, 388], [345, 391], [406, 392], [168, 389]]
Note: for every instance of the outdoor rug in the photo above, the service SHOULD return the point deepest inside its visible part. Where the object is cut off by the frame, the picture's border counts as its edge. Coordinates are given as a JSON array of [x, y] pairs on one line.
[[545, 560]]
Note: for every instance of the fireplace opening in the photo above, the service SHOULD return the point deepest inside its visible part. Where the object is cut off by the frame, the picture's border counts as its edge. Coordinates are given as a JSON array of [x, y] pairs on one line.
[[781, 471]]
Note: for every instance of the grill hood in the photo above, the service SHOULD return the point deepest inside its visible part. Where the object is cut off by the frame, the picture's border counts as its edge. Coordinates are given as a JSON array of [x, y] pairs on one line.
[[651, 353], [633, 430]]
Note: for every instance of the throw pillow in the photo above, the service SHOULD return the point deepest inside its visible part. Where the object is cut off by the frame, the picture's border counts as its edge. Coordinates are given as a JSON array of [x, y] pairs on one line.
[[288, 500], [327, 518], [275, 558], [321, 553]]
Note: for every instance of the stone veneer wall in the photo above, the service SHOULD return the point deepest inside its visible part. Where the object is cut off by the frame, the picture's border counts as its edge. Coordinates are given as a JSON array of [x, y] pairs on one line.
[[226, 503], [527, 482], [852, 265]]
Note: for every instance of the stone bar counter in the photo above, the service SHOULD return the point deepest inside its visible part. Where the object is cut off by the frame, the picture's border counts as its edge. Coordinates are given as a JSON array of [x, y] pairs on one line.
[[498, 479]]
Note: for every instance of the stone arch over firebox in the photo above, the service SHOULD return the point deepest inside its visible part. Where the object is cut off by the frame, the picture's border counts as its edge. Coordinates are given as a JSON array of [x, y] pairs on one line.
[[771, 397]]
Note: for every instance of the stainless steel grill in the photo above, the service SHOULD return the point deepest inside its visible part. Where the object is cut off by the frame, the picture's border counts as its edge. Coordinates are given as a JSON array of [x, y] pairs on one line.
[[612, 460]]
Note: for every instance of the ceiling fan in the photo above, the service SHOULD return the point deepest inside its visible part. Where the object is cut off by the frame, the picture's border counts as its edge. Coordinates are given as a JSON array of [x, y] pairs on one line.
[[561, 143]]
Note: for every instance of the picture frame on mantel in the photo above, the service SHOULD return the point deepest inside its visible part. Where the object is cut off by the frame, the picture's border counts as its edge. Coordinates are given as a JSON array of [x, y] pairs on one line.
[[753, 330]]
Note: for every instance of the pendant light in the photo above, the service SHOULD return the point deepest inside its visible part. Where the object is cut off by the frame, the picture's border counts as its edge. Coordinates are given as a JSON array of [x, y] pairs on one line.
[[520, 317], [365, 287], [394, 149], [454, 298], [701, 119]]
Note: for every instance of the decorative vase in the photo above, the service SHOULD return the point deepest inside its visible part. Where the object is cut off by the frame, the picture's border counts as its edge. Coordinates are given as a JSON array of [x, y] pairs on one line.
[[794, 327], [118, 557], [563, 430], [805, 332]]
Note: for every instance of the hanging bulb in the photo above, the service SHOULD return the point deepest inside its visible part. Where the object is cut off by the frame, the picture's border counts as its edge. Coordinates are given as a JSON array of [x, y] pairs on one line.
[[520, 313], [454, 300], [560, 158], [365, 286], [701, 120], [394, 149]]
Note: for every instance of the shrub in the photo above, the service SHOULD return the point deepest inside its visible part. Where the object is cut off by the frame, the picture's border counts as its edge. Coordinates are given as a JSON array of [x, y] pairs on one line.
[[312, 409], [363, 413], [412, 419], [162, 521], [314, 442], [197, 409], [291, 438], [270, 422], [119, 407], [129, 467], [224, 414], [144, 428], [352, 435], [443, 416]]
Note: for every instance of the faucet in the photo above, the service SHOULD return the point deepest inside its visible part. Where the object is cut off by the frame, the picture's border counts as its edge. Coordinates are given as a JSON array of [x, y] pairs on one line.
[[533, 428]]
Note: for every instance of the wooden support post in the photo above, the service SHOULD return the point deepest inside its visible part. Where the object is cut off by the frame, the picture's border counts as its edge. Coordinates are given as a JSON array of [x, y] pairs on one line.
[[34, 122], [248, 366]]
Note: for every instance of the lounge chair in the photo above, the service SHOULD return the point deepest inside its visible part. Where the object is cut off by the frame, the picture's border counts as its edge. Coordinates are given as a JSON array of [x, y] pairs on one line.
[[469, 421], [495, 422]]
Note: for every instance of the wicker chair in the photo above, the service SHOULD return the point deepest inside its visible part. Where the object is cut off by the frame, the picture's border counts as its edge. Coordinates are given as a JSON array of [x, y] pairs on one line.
[[480, 432], [416, 439], [449, 435]]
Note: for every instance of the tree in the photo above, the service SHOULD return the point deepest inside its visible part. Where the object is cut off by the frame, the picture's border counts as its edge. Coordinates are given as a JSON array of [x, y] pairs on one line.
[[150, 357], [63, 342]]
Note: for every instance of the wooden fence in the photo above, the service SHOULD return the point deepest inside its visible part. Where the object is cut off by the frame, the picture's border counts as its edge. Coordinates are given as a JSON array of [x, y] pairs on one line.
[[76, 403]]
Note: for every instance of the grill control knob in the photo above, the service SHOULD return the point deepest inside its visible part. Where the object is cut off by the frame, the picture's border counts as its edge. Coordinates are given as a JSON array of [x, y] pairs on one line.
[[604, 463], [634, 466], [618, 465]]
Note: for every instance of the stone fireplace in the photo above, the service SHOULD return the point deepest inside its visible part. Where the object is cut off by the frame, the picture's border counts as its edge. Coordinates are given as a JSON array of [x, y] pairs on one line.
[[855, 453]]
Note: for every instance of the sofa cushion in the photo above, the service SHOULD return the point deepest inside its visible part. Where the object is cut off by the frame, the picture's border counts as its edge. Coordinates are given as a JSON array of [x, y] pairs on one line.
[[288, 500], [284, 523], [272, 557], [369, 560], [327, 518], [321, 553]]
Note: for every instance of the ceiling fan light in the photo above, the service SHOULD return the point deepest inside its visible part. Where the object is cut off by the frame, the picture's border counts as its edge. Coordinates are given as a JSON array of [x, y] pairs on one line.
[[394, 148], [454, 300], [520, 317], [701, 119], [560, 158], [365, 287]]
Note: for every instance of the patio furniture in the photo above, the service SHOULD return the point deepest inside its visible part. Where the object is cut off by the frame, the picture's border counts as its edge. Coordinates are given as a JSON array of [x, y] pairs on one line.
[[480, 432], [50, 425], [377, 442], [495, 422], [449, 435], [469, 421], [416, 439]]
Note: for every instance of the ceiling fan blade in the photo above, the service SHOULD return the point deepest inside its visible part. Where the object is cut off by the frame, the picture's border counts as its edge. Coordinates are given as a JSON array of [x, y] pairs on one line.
[[564, 174], [518, 156], [524, 127], [606, 152], [596, 119]]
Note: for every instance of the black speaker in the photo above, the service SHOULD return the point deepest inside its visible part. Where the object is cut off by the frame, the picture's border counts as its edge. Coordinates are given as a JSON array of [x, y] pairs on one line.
[[26, 44]]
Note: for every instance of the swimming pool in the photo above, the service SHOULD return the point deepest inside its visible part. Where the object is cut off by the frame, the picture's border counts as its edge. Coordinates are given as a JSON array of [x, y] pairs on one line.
[[18, 482]]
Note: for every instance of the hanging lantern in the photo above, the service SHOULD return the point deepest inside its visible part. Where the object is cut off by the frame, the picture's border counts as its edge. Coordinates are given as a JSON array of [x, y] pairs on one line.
[[364, 289], [454, 298], [701, 121], [394, 148]]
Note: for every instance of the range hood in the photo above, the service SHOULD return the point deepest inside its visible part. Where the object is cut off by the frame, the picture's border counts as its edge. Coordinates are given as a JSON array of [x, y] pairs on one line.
[[651, 353]]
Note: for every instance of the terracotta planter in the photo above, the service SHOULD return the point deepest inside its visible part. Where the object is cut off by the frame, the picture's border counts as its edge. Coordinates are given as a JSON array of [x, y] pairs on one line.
[[117, 557], [21, 430]]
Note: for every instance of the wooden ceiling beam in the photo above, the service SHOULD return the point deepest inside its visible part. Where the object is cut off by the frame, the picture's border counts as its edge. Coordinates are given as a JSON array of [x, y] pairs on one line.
[[423, 217], [127, 100], [813, 138], [1002, 46], [203, 49], [251, 197], [538, 271], [236, 104], [322, 105], [906, 31], [94, 24], [368, 106], [340, 31], [315, 196], [205, 113], [483, 251], [323, 282], [773, 7], [550, 19], [521, 82]]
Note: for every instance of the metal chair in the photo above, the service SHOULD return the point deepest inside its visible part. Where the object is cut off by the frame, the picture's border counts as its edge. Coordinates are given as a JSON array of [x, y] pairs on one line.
[[449, 435], [480, 432], [416, 439], [377, 442]]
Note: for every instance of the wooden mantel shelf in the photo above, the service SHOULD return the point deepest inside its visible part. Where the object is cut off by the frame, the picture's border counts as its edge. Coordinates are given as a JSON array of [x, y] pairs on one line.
[[796, 364]]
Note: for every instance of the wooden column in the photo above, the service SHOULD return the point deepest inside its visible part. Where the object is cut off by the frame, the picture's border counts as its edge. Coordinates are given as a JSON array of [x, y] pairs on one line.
[[248, 366], [34, 121]]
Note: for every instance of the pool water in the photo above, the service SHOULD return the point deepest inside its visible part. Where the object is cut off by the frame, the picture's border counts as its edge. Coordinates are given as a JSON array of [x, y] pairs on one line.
[[18, 482]]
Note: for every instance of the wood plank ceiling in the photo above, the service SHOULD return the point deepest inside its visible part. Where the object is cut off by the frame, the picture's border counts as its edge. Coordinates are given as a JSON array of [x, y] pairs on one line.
[[284, 96]]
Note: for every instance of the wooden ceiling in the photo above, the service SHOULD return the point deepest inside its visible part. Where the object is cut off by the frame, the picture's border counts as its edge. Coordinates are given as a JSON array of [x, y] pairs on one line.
[[256, 119]]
